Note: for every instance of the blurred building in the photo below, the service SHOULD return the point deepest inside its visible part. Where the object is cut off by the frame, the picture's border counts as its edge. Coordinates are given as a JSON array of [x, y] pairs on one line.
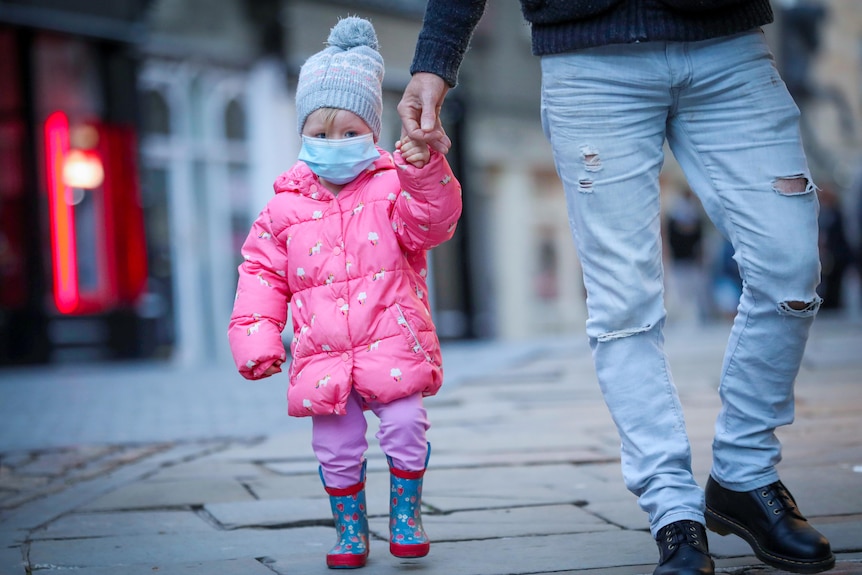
[[72, 237], [186, 107]]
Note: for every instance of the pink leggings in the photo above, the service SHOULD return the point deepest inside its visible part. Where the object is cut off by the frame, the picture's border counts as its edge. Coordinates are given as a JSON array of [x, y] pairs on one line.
[[340, 445]]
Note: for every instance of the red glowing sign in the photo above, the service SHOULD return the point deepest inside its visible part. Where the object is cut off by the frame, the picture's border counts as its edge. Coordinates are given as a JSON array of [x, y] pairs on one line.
[[64, 258], [98, 247]]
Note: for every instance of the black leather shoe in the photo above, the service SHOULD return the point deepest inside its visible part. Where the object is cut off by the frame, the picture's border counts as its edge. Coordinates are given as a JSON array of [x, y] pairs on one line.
[[683, 550], [768, 519]]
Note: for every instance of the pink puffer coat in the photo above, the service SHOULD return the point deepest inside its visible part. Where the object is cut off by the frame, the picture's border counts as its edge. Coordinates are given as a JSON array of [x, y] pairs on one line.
[[353, 269]]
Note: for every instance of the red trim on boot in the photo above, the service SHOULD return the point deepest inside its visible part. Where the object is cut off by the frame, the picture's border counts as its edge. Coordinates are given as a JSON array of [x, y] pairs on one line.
[[406, 551], [346, 561], [342, 491], [404, 474]]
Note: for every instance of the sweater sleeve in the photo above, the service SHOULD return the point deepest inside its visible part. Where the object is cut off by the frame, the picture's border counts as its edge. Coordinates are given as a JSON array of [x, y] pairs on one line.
[[260, 307], [445, 36], [429, 205]]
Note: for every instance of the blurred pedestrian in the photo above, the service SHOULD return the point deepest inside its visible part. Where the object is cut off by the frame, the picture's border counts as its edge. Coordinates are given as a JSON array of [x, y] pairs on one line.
[[619, 77], [726, 285], [344, 243], [836, 254], [684, 226]]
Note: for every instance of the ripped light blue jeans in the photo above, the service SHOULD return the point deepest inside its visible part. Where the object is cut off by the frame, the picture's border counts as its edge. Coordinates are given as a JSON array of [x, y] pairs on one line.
[[733, 127]]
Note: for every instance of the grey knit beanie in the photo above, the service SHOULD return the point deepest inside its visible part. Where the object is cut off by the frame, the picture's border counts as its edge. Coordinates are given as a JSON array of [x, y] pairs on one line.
[[347, 74]]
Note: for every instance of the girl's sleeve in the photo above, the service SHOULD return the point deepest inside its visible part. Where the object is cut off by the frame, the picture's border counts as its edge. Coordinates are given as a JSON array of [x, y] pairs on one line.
[[429, 205], [260, 307]]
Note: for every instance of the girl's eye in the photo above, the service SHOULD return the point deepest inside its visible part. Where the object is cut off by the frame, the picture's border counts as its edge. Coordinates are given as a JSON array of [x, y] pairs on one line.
[[321, 135], [350, 134]]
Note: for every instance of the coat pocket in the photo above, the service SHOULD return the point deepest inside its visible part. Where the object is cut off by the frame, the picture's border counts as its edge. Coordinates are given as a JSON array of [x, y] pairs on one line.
[[410, 331]]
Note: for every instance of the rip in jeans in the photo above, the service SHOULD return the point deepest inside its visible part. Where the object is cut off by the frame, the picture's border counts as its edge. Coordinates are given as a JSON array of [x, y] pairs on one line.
[[592, 163]]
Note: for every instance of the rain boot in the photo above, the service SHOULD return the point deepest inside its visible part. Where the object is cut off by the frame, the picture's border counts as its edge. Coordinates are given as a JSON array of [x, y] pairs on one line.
[[351, 525], [407, 537]]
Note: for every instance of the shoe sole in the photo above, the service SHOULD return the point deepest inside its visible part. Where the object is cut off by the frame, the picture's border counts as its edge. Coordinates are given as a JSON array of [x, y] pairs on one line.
[[346, 561], [724, 525], [403, 551]]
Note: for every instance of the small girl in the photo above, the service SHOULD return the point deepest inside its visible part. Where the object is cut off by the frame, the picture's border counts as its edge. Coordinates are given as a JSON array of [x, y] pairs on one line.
[[344, 243]]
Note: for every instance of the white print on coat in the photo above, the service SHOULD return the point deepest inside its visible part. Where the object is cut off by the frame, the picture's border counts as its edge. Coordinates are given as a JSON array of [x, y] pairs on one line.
[[288, 240], [306, 403], [330, 278], [264, 235], [344, 309], [419, 293], [254, 328], [298, 303], [348, 265], [423, 273], [451, 227], [395, 373], [379, 275], [358, 208], [313, 317], [323, 382], [362, 297], [374, 345], [315, 249], [263, 282], [424, 228], [281, 273], [392, 197], [406, 195], [300, 272], [317, 215], [325, 347], [250, 364], [373, 238], [446, 179]]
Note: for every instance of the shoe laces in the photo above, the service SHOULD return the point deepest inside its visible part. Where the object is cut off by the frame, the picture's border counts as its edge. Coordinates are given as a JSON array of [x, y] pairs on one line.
[[778, 498], [683, 533]]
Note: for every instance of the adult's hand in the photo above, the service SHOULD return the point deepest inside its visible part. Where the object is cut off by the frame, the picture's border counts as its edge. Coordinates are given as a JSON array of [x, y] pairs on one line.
[[419, 109]]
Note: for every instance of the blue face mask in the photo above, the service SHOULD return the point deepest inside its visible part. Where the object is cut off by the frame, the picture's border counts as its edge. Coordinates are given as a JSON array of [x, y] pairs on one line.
[[338, 161]]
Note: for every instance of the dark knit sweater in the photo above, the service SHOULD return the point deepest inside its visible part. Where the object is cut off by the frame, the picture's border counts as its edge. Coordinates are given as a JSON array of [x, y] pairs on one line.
[[565, 25]]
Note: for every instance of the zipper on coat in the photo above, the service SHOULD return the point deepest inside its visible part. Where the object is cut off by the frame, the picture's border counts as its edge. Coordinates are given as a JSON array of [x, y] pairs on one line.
[[417, 347]]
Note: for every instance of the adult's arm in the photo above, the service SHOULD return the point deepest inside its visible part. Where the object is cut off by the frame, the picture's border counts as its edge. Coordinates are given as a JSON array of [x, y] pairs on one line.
[[445, 36], [443, 41]]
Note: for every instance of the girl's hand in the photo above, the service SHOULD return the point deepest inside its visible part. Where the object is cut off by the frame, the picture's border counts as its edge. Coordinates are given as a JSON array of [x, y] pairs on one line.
[[414, 152], [273, 369]]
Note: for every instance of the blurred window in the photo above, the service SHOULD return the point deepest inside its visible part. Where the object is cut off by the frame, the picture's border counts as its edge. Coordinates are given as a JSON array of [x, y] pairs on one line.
[[234, 121], [157, 115]]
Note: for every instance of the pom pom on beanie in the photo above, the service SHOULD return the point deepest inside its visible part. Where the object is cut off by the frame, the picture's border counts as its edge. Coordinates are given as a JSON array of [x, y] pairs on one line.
[[347, 74]]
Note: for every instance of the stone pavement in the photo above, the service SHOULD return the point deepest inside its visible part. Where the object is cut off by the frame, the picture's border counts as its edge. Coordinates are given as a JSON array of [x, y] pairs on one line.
[[138, 469]]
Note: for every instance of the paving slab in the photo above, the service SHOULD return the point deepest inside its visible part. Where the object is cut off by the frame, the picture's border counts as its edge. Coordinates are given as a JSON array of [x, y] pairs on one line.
[[155, 493], [158, 551], [507, 556], [242, 566], [12, 561], [80, 525], [504, 523], [270, 512]]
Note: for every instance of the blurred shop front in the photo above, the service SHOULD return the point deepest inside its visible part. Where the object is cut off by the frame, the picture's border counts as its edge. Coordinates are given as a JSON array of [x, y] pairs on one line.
[[73, 255], [139, 139]]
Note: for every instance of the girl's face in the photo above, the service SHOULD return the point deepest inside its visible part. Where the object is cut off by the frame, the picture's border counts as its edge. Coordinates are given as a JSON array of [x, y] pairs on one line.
[[334, 124]]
